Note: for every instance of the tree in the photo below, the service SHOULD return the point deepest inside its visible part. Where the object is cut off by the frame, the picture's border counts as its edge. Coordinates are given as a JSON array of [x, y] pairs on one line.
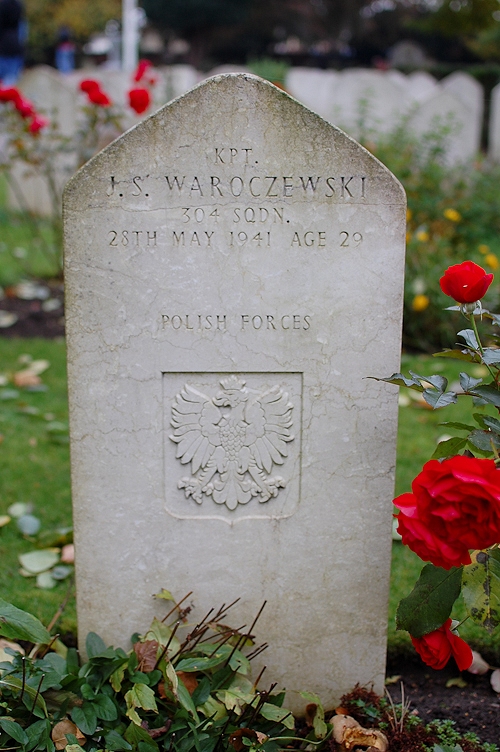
[[83, 17], [194, 19]]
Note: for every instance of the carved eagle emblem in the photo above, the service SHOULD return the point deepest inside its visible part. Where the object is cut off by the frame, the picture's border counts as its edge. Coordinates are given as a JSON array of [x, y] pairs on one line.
[[232, 441]]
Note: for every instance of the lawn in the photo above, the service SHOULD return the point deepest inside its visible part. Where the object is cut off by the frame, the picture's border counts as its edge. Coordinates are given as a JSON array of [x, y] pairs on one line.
[[34, 468]]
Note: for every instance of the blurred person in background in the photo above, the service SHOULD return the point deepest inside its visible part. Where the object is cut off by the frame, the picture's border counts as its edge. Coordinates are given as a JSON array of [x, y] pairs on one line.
[[12, 32], [65, 51]]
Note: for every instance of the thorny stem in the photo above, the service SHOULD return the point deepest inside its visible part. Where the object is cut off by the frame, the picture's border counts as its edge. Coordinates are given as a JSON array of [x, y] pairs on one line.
[[177, 605], [248, 635]]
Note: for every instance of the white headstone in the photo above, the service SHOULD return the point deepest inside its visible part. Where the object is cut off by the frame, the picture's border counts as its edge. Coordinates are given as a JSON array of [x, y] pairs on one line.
[[367, 102], [445, 111], [313, 87], [421, 86], [494, 128], [470, 92], [234, 272], [179, 79]]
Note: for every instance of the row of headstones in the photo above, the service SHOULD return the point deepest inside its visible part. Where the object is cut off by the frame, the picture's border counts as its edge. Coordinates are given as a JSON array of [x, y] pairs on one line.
[[365, 103], [362, 102]]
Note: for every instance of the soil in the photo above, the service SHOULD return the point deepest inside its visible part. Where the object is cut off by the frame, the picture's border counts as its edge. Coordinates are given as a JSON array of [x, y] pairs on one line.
[[40, 316], [475, 707]]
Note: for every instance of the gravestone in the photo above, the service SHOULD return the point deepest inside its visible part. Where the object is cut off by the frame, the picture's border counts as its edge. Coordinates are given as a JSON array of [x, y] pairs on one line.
[[234, 270], [444, 112], [494, 125]]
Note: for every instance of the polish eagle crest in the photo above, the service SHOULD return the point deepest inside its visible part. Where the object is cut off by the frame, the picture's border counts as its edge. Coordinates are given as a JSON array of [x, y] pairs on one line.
[[232, 441]]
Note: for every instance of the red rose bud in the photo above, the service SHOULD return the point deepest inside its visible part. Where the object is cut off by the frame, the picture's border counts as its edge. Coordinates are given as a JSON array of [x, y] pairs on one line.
[[466, 282], [454, 507], [97, 96], [37, 124], [436, 648], [139, 100], [89, 84], [142, 67]]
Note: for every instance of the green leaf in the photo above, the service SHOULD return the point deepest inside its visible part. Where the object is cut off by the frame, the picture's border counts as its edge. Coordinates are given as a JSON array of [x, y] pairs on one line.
[[116, 677], [439, 399], [470, 338], [39, 561], [467, 382], [279, 715], [45, 581], [135, 734], [115, 742], [140, 696], [449, 448], [14, 730], [459, 426], [94, 645], [491, 356], [481, 588], [438, 382], [488, 393], [186, 701], [458, 355], [165, 595], [31, 698], [400, 380], [85, 717], [19, 625], [319, 725], [484, 440], [105, 708], [431, 600], [201, 663], [492, 423]]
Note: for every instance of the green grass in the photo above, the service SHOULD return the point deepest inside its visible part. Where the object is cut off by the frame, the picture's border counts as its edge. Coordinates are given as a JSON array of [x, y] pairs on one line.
[[33, 468], [27, 246]]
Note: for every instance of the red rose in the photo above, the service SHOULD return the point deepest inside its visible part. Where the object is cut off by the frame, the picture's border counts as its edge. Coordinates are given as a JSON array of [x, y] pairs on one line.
[[97, 96], [89, 84], [454, 506], [142, 67], [37, 124], [24, 107], [10, 94], [436, 648], [466, 282], [139, 100]]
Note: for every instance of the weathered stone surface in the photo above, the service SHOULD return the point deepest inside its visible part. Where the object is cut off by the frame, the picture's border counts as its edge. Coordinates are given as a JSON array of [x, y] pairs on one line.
[[234, 272]]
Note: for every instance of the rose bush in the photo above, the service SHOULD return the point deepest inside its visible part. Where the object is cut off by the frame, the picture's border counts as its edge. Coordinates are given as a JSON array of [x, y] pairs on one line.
[[454, 506], [439, 646], [451, 517]]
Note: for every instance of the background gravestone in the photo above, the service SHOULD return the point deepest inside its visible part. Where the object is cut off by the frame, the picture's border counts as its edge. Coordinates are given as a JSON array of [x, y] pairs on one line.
[[234, 271]]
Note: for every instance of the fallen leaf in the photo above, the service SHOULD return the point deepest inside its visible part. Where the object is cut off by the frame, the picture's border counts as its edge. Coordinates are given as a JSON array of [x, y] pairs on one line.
[[146, 653], [45, 581], [4, 519], [189, 680], [19, 508], [478, 665], [61, 729], [350, 735], [7, 318], [39, 561], [39, 366], [33, 441], [495, 680], [236, 738], [28, 524], [392, 679], [457, 681]]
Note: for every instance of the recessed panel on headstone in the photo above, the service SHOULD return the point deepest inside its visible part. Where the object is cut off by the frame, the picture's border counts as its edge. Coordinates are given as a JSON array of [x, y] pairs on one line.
[[234, 271]]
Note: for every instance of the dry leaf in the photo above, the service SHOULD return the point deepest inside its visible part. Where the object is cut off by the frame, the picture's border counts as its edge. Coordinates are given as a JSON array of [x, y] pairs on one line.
[[311, 710], [495, 680], [236, 738], [478, 665], [392, 679], [456, 681], [26, 378], [146, 653], [66, 727], [188, 679], [350, 734], [7, 657]]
